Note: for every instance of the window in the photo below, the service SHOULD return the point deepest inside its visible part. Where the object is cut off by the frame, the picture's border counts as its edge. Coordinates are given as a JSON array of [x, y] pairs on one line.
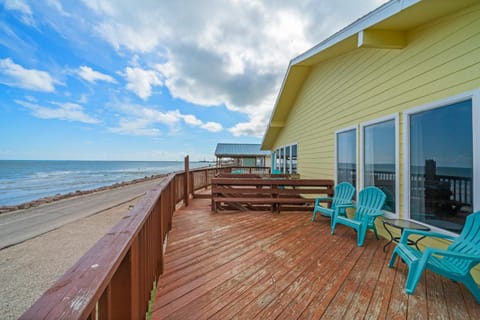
[[440, 164], [286, 159], [282, 160], [279, 159], [346, 153], [294, 158], [379, 160]]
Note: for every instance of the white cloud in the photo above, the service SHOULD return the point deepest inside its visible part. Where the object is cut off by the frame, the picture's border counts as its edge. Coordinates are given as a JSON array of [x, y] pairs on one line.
[[15, 75], [192, 120], [57, 5], [143, 121], [209, 126], [212, 126], [63, 111], [23, 8], [141, 81], [231, 53], [139, 127], [258, 116], [92, 76]]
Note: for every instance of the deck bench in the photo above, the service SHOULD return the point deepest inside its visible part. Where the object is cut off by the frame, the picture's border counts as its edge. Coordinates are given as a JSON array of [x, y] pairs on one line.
[[267, 193]]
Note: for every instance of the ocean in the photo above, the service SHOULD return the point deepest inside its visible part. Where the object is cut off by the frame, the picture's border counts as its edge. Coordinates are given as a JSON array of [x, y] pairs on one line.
[[26, 180]]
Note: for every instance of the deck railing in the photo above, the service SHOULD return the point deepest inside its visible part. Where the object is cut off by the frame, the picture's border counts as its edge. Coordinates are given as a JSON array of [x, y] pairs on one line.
[[114, 279], [248, 170]]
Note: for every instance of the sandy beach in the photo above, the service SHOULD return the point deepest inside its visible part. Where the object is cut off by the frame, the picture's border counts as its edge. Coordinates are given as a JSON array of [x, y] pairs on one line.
[[29, 268]]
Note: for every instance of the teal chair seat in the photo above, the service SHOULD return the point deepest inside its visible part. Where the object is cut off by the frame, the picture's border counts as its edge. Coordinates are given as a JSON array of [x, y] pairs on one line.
[[367, 209], [455, 262], [343, 195]]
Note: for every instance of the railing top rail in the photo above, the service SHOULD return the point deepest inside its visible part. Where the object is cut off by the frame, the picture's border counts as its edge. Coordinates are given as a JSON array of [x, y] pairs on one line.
[[273, 181], [75, 294]]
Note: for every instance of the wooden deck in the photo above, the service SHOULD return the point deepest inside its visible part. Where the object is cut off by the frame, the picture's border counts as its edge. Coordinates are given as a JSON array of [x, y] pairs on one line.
[[262, 265]]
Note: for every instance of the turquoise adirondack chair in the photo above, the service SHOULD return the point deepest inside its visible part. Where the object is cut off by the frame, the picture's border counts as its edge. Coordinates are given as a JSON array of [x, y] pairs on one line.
[[343, 196], [367, 209], [454, 263]]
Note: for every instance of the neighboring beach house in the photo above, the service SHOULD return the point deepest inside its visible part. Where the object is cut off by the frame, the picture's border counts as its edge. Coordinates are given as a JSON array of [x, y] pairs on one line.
[[241, 154], [392, 100]]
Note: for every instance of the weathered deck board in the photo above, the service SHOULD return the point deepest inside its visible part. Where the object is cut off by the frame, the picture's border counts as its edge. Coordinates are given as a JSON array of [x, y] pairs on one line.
[[261, 265]]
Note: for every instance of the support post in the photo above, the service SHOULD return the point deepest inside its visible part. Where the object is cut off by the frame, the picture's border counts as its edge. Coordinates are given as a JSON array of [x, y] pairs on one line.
[[185, 186], [121, 291]]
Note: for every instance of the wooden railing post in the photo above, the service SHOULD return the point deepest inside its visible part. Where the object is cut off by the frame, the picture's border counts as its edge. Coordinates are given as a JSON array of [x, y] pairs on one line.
[[206, 179], [105, 304], [192, 183], [135, 283], [185, 187], [121, 288]]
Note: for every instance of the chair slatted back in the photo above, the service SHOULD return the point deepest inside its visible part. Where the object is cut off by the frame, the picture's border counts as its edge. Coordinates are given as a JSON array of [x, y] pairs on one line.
[[343, 194], [370, 200], [468, 242]]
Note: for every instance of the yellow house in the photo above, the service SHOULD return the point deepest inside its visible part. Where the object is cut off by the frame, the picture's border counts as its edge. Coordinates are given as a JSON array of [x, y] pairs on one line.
[[392, 100]]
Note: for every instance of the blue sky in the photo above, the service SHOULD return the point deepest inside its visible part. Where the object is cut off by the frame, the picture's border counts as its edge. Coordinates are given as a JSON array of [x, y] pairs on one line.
[[149, 79]]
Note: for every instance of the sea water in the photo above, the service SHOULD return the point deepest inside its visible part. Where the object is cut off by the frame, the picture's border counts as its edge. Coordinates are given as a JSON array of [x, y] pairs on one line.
[[26, 180]]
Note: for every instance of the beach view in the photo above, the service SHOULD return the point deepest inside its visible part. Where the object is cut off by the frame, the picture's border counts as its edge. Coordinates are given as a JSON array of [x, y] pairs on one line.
[[239, 159]]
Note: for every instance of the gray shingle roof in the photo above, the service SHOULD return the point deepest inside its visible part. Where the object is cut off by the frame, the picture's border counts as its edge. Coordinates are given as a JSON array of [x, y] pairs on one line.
[[239, 149]]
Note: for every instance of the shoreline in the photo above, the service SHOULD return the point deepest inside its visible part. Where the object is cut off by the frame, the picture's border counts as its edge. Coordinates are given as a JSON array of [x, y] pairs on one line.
[[59, 196]]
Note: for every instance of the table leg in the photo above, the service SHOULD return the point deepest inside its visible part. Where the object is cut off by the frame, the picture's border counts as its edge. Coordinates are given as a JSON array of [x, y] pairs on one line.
[[391, 237], [416, 242]]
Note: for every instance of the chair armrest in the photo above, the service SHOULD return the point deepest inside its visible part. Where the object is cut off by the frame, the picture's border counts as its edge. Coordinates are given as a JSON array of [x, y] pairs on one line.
[[324, 199], [407, 232], [446, 253], [370, 217], [377, 213], [342, 208], [346, 205]]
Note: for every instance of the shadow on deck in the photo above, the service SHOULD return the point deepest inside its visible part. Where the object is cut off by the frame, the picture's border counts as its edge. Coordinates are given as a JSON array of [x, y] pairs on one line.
[[262, 265]]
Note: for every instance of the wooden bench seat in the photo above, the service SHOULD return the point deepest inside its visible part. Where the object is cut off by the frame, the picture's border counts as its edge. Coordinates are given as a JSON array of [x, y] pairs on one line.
[[264, 200], [261, 194]]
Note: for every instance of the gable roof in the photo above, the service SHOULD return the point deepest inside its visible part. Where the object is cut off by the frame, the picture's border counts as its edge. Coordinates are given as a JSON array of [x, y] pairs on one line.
[[239, 150], [385, 27]]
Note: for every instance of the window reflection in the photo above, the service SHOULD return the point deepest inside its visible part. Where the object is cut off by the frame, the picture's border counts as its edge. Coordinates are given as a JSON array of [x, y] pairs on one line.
[[347, 156], [441, 166], [287, 159], [294, 158], [379, 159]]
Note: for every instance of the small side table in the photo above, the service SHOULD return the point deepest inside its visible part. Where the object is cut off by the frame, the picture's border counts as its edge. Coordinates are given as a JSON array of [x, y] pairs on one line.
[[402, 224]]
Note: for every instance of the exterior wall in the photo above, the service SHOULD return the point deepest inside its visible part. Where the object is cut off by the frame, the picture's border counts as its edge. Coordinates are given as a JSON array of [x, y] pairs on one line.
[[441, 59]]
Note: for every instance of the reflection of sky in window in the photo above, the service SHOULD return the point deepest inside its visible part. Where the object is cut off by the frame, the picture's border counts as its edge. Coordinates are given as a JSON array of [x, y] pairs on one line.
[[380, 143], [347, 146], [444, 135]]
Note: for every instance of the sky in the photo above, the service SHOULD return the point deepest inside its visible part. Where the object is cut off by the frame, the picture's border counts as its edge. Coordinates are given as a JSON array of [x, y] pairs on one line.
[[149, 79]]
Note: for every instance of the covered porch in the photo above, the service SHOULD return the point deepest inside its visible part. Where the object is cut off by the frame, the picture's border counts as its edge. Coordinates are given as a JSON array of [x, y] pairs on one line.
[[263, 265], [241, 155]]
